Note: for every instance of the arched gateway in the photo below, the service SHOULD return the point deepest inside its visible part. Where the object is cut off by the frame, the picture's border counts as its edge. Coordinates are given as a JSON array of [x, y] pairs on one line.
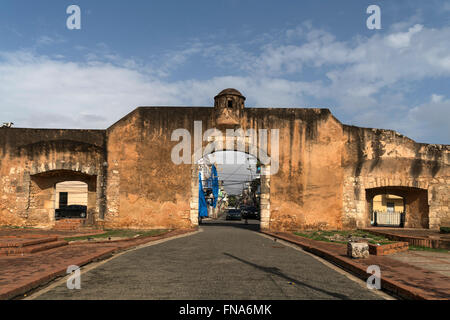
[[141, 172]]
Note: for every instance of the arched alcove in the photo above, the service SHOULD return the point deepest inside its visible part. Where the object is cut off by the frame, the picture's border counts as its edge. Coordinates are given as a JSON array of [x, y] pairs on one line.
[[398, 206], [45, 195]]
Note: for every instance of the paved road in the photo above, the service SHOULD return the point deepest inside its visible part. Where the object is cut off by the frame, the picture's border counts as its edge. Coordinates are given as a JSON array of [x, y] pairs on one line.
[[225, 261]]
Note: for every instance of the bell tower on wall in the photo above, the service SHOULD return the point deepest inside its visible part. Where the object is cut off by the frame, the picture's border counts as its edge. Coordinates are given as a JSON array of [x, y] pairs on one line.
[[229, 107]]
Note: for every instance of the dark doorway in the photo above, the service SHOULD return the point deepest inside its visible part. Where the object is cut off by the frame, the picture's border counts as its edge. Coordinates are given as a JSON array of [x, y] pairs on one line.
[[63, 199]]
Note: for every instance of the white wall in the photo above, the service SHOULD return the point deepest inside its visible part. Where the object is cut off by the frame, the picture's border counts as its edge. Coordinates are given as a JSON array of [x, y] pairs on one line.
[[77, 193]]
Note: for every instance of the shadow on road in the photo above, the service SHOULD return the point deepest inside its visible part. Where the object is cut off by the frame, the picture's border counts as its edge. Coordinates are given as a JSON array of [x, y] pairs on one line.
[[277, 272], [253, 225]]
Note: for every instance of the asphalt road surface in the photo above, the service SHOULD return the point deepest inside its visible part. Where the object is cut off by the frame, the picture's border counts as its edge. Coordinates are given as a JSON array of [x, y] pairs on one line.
[[227, 260]]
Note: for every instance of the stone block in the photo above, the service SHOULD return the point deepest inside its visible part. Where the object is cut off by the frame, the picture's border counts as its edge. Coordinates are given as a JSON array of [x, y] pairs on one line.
[[358, 250]]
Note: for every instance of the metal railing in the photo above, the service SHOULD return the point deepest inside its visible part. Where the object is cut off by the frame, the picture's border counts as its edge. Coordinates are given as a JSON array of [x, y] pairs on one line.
[[388, 219]]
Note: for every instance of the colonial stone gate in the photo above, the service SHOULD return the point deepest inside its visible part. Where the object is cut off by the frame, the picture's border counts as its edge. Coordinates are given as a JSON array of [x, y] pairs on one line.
[[264, 199], [326, 169]]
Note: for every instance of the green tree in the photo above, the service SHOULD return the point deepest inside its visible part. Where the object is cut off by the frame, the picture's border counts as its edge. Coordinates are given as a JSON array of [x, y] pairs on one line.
[[233, 200]]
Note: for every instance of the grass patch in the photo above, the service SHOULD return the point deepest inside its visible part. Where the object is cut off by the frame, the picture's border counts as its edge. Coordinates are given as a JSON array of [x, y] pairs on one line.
[[415, 248], [344, 235], [119, 234], [445, 229], [316, 236]]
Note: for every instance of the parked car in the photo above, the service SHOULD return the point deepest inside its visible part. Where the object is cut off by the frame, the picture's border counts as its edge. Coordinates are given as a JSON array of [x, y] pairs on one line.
[[250, 212], [72, 211], [244, 211], [233, 214]]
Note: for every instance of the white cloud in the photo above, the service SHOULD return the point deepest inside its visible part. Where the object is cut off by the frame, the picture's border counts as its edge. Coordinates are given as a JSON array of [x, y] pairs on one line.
[[46, 40], [435, 98], [38, 91], [366, 80], [403, 39], [430, 120]]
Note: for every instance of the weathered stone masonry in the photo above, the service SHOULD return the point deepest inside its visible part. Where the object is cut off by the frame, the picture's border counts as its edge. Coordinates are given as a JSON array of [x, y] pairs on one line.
[[32, 161], [328, 172], [376, 159]]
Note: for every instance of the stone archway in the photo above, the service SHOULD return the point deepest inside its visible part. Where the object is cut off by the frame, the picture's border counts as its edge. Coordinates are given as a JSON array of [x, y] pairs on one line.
[[416, 208], [265, 190], [42, 196]]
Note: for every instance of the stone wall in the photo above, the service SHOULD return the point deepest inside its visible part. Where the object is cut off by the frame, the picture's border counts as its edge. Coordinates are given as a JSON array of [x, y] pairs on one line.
[[28, 157], [145, 189], [327, 171], [415, 201], [375, 158], [307, 190]]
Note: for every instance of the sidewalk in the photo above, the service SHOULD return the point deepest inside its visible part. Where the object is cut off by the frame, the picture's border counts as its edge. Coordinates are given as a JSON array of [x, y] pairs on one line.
[[20, 274], [406, 280], [432, 261], [415, 237], [410, 232], [37, 233]]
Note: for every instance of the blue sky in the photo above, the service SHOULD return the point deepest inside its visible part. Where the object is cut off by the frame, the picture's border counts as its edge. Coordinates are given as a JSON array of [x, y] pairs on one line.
[[278, 53]]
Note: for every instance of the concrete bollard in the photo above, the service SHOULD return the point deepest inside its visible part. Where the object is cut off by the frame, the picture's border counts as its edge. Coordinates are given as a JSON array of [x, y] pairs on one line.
[[357, 250]]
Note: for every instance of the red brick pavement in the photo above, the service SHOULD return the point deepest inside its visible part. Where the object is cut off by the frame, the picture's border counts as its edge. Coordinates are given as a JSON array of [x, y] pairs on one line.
[[402, 279], [415, 237], [425, 233], [39, 233], [21, 274]]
